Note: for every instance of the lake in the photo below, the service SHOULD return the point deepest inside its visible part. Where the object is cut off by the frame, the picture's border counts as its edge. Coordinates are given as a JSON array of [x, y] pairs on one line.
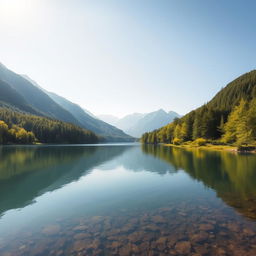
[[126, 199]]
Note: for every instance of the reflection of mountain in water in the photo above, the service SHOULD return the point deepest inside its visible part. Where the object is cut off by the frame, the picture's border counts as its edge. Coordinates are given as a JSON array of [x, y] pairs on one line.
[[136, 160], [232, 176], [27, 172]]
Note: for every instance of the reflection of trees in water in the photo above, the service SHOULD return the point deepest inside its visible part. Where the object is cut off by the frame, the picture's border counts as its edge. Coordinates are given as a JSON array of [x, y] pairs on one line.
[[232, 176], [28, 172]]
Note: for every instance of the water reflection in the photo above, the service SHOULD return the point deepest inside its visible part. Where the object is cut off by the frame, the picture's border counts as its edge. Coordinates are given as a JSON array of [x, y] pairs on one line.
[[27, 172], [232, 176], [125, 200]]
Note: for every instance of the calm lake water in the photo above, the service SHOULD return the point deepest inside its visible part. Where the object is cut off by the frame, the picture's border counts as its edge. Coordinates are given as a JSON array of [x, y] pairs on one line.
[[126, 200]]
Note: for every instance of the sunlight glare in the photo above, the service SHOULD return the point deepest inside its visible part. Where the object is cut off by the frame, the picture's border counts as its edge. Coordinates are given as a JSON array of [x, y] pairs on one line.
[[15, 11]]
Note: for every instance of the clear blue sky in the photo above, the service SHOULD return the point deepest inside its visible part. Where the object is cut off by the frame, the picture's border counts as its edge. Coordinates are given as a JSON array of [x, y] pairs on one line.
[[123, 56]]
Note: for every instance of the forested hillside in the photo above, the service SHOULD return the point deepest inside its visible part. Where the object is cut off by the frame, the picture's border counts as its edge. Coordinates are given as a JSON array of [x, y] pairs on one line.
[[20, 128], [22, 94], [230, 117], [38, 100]]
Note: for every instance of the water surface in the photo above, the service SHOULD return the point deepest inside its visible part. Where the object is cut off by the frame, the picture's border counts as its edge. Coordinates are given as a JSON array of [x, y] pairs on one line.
[[126, 200]]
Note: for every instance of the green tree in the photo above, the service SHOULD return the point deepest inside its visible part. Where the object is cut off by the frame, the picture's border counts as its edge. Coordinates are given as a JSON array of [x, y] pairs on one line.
[[3, 132]]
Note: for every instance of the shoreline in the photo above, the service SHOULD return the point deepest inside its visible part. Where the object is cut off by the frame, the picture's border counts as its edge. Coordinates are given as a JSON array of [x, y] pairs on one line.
[[209, 146]]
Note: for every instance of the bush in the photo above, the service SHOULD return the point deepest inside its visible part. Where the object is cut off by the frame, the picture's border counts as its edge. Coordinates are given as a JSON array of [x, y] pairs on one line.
[[200, 142], [177, 141]]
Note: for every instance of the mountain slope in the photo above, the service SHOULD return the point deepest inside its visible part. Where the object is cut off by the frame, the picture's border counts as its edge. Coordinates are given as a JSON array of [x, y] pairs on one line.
[[127, 122], [109, 119], [137, 123], [21, 93], [38, 99], [151, 121], [230, 96], [229, 117], [101, 128], [12, 98]]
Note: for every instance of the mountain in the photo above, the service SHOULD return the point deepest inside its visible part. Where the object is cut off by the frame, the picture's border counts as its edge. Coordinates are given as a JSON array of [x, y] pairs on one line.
[[21, 93], [127, 122], [38, 100], [136, 124], [244, 87], [230, 117], [109, 132], [9, 97], [109, 119], [151, 121]]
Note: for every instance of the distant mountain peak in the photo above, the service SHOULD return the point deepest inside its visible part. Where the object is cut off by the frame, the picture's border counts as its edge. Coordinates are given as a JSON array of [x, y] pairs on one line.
[[2, 66], [161, 110], [137, 123]]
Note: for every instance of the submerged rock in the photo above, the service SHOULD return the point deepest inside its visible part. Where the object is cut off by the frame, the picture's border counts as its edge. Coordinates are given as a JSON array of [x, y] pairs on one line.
[[158, 219], [199, 237], [206, 227], [183, 247], [51, 230]]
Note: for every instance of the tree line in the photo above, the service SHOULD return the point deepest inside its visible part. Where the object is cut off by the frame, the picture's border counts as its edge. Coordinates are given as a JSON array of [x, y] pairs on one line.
[[230, 117], [209, 124], [21, 128]]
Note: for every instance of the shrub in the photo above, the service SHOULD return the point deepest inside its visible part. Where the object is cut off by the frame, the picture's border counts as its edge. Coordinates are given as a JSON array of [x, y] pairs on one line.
[[177, 141], [200, 142]]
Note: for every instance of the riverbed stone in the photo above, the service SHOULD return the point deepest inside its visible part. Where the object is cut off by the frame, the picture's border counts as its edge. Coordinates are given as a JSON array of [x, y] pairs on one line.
[[158, 219], [183, 247], [199, 237], [206, 227], [79, 246], [51, 230]]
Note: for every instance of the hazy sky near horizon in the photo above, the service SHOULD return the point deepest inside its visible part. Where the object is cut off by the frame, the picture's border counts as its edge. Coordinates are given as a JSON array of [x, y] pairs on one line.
[[123, 56]]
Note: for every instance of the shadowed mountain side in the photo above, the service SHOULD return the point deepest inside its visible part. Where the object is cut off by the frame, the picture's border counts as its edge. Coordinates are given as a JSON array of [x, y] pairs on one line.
[[28, 172], [232, 176], [37, 98], [109, 132], [12, 98]]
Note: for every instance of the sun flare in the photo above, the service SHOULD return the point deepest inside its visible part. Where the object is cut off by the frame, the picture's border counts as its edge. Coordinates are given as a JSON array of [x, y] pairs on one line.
[[13, 11]]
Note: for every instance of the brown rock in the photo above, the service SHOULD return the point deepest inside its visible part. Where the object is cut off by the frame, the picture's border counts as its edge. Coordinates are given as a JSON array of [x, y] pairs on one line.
[[151, 227], [233, 227], [125, 250], [80, 246], [221, 252], [206, 227], [158, 219], [97, 219], [95, 244], [81, 236], [201, 249], [135, 237], [51, 230], [248, 232], [183, 247], [200, 237], [161, 243], [115, 244], [171, 242]]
